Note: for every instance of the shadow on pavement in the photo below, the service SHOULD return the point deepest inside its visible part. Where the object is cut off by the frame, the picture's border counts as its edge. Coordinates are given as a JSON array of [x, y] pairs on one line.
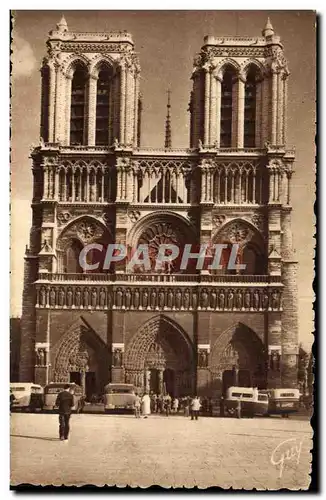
[[35, 437]]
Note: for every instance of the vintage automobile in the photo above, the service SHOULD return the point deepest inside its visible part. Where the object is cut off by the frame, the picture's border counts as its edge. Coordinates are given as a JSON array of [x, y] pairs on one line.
[[119, 397], [52, 390], [245, 401], [283, 401], [26, 396]]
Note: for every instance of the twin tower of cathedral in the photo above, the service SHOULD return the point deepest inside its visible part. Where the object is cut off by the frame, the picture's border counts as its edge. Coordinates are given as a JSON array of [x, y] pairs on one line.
[[175, 330]]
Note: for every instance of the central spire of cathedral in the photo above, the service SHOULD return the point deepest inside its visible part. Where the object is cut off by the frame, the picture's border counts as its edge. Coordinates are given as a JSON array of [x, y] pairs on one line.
[[168, 140]]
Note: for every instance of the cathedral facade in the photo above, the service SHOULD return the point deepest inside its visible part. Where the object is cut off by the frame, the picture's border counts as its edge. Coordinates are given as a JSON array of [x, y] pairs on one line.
[[180, 331]]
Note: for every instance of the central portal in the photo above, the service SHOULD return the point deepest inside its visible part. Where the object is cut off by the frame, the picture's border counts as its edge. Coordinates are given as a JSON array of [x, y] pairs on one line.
[[160, 359]]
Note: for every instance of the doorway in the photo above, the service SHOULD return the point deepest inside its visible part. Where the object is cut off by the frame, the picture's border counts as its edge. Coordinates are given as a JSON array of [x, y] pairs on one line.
[[169, 381], [75, 378], [90, 385], [154, 381]]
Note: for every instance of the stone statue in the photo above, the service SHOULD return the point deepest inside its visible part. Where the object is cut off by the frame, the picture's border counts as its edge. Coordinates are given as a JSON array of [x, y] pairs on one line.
[[94, 298], [230, 300], [178, 299], [265, 300], [128, 298], [186, 299], [86, 297], [153, 298], [41, 357], [247, 300], [77, 298], [145, 299], [221, 300], [69, 297], [61, 297], [42, 296], [119, 298], [239, 299], [136, 298], [213, 299], [170, 299], [117, 357], [102, 298], [204, 299], [202, 358], [52, 297], [161, 299], [256, 299], [275, 300], [194, 300]]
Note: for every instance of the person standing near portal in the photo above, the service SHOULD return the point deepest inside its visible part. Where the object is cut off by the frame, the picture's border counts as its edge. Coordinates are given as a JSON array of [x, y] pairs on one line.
[[64, 402], [195, 407], [146, 405]]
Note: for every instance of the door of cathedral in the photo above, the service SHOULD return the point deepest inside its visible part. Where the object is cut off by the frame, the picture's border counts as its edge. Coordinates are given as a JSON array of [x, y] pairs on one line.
[[90, 385], [75, 378], [169, 381], [154, 381]]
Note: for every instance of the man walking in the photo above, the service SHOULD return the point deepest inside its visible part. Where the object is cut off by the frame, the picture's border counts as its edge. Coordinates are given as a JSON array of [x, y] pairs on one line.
[[195, 407], [137, 404], [64, 402]]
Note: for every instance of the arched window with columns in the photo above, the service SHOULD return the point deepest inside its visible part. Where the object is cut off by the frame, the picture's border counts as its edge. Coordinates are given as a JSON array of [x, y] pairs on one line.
[[227, 103], [250, 108], [78, 106], [102, 107]]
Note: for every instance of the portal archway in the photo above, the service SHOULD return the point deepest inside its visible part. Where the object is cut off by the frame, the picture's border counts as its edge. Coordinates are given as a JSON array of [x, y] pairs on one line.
[[160, 358], [82, 357], [238, 358]]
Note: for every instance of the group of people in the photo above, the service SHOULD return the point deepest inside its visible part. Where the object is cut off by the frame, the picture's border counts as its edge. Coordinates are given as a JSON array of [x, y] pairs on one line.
[[165, 404]]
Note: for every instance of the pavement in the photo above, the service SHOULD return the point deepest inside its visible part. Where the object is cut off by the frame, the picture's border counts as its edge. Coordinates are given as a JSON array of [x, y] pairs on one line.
[[261, 453]]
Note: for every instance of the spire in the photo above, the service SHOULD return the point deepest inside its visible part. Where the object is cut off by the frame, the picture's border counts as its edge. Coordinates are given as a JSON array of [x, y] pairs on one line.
[[62, 26], [268, 30], [168, 141]]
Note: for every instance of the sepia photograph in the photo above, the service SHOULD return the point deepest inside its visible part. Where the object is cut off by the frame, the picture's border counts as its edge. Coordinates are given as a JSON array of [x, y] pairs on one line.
[[162, 248]]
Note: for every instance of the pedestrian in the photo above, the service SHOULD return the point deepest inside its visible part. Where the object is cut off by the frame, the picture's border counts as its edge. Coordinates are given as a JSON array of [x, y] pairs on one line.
[[175, 405], [146, 405], [64, 402], [186, 407], [137, 404], [167, 404], [12, 399], [195, 407]]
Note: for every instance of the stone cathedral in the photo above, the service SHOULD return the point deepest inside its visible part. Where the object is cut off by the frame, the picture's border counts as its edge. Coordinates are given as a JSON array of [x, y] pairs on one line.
[[167, 330]]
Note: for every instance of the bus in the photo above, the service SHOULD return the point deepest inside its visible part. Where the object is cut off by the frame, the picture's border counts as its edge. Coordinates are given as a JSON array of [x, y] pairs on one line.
[[119, 397], [26, 396], [52, 390]]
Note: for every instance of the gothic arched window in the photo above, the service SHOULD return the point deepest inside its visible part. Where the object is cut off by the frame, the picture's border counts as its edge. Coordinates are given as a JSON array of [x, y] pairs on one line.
[[226, 107], [78, 107], [250, 109], [102, 108]]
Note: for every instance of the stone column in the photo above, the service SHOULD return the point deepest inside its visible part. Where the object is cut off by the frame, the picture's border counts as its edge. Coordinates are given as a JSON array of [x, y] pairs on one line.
[[207, 106], [58, 105], [264, 107], [218, 111], [271, 184], [285, 97], [274, 351], [274, 107], [91, 114], [280, 110], [160, 381], [122, 103], [56, 184], [129, 129], [52, 102], [136, 94], [68, 109], [258, 120], [235, 113], [240, 106], [212, 110]]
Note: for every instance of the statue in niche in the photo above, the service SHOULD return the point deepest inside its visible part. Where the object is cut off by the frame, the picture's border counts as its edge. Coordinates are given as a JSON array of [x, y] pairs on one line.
[[275, 300], [161, 299], [204, 299], [153, 298], [94, 298], [61, 297], [221, 300], [178, 299], [145, 299], [239, 299], [203, 358], [186, 299], [136, 298], [42, 296], [119, 297], [128, 298], [170, 299], [86, 297], [52, 297], [230, 299], [247, 300], [194, 300], [213, 299], [69, 297], [77, 298], [256, 299], [102, 298], [265, 300], [117, 357]]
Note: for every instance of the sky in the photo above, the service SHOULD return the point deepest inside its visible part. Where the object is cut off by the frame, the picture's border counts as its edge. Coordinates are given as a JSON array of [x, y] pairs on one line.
[[166, 42]]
